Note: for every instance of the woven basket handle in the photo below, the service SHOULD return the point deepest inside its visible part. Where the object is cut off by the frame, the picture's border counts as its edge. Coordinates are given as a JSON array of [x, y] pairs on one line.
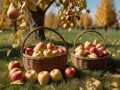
[[86, 31], [39, 28]]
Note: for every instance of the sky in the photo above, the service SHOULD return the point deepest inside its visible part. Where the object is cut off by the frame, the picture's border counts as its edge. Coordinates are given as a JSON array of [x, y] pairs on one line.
[[92, 5]]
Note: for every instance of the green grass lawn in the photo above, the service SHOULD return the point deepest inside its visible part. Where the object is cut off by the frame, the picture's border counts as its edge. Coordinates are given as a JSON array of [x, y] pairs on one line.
[[112, 42]]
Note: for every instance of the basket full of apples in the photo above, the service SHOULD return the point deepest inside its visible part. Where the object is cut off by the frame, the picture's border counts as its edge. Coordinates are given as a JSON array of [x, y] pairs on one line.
[[90, 55], [44, 55]]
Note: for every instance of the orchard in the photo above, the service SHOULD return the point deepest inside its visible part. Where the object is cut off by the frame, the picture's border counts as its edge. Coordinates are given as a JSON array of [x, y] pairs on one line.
[[64, 58]]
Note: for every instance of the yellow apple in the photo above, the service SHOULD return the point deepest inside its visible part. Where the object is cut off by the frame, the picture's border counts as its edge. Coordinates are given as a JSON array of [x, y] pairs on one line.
[[47, 53], [37, 54], [31, 75]]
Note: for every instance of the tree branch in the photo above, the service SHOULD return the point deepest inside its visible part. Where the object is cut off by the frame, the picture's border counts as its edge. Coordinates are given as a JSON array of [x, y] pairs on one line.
[[52, 1]]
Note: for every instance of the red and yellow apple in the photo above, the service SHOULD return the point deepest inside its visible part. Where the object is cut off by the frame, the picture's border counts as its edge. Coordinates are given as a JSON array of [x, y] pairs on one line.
[[87, 45], [51, 46], [61, 50], [56, 75], [43, 77], [13, 64], [16, 74], [55, 52], [31, 75], [41, 46], [80, 53], [70, 72]]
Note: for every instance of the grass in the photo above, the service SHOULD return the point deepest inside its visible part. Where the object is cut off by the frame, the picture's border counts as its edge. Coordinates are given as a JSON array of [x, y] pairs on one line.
[[112, 42]]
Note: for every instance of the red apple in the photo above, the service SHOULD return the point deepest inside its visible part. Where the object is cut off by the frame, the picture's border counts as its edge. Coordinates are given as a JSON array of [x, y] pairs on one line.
[[93, 50], [13, 64], [86, 52], [51, 46], [41, 46], [29, 50], [70, 72], [99, 53], [16, 74], [12, 12], [43, 77], [105, 53], [61, 50]]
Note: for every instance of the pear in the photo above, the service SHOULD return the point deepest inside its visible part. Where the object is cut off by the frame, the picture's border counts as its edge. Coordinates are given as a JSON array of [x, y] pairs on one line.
[[12, 12]]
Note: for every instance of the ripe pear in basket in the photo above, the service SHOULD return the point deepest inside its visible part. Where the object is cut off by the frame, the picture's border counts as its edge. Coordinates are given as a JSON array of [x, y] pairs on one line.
[[44, 56], [90, 55]]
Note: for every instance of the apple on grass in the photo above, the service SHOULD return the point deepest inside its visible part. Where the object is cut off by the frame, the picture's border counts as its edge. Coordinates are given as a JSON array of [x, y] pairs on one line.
[[70, 72], [31, 75], [13, 64], [16, 74], [56, 75], [43, 77]]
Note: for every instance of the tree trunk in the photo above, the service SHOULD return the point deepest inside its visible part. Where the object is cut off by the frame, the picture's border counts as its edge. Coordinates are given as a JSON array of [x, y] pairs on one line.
[[37, 19], [105, 28], [15, 25]]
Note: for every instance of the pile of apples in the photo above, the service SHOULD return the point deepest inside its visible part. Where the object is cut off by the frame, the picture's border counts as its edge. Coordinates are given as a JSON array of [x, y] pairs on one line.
[[44, 50], [44, 77], [91, 50]]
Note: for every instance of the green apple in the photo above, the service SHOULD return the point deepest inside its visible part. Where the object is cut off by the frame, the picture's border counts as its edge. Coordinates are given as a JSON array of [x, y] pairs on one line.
[[43, 77], [56, 75], [31, 75]]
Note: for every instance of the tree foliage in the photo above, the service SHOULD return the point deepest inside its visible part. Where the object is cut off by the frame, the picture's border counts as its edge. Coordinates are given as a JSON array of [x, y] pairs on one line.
[[105, 14], [85, 20]]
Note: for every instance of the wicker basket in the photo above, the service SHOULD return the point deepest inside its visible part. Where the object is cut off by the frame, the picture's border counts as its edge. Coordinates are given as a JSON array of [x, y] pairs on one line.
[[84, 63], [44, 63]]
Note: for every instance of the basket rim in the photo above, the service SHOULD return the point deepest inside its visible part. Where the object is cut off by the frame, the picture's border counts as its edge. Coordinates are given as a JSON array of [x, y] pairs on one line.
[[92, 59], [44, 58]]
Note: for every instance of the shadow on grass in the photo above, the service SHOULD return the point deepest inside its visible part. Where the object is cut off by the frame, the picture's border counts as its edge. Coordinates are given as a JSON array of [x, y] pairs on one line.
[[113, 66]]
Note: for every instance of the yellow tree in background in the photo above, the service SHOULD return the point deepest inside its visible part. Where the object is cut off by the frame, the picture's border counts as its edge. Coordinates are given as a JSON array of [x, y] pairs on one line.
[[105, 14], [85, 20]]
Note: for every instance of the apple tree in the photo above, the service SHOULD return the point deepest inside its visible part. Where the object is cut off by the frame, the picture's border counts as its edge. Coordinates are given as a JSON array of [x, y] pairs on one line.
[[105, 14], [19, 10]]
